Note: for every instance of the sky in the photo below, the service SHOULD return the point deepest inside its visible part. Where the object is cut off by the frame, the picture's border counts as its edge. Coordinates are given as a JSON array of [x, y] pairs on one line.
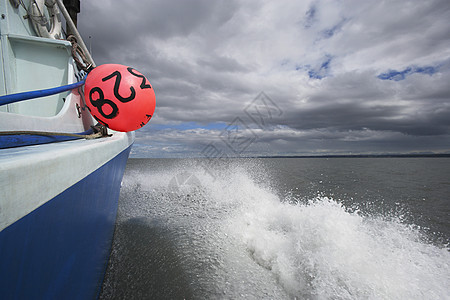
[[259, 77]]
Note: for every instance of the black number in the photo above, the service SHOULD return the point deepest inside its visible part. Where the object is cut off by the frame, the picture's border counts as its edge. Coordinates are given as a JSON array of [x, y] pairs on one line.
[[144, 84], [101, 101], [116, 87]]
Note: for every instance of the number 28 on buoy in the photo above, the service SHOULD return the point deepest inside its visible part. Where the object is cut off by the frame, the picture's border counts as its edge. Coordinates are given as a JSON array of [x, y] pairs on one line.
[[119, 97]]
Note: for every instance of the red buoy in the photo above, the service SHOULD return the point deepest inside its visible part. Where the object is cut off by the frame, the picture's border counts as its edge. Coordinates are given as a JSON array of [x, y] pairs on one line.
[[119, 97]]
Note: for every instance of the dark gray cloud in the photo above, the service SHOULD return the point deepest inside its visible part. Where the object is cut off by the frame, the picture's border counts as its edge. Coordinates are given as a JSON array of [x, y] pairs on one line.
[[348, 76]]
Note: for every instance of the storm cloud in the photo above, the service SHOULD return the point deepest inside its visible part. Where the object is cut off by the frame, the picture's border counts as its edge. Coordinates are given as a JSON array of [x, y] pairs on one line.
[[338, 77]]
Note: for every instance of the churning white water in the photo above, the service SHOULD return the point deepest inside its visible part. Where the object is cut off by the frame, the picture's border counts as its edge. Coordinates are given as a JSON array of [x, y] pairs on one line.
[[237, 236]]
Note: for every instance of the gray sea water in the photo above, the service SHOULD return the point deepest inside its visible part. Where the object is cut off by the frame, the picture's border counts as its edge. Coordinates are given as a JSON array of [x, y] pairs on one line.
[[291, 228]]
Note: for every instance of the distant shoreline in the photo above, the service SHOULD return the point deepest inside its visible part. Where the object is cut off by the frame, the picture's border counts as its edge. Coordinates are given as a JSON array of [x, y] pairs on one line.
[[444, 155], [358, 156]]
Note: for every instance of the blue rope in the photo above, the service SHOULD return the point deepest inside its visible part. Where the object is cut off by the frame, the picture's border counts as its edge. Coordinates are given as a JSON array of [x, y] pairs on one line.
[[8, 99]]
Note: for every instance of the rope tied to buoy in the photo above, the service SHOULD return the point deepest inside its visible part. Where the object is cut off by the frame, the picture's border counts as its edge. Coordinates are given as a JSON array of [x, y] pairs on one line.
[[11, 98]]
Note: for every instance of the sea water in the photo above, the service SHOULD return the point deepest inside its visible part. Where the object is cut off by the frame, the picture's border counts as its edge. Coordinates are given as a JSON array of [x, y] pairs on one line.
[[292, 228]]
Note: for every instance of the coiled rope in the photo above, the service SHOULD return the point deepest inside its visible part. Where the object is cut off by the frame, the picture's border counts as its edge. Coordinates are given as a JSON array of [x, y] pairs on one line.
[[78, 55]]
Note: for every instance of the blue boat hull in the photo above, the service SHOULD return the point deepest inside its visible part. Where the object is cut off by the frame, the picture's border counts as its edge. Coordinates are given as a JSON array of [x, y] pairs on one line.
[[61, 249]]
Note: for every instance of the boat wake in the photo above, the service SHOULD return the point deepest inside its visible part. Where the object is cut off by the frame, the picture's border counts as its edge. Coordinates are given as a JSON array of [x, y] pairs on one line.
[[234, 236]]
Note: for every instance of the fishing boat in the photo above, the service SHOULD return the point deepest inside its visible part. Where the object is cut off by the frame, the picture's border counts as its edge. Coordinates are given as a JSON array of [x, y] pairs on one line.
[[60, 168]]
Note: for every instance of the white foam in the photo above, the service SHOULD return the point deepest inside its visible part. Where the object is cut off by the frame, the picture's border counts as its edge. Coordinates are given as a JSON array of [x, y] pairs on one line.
[[321, 250], [265, 247]]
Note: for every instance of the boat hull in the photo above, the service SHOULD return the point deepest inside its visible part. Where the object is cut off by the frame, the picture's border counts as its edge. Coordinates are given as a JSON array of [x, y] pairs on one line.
[[60, 250]]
